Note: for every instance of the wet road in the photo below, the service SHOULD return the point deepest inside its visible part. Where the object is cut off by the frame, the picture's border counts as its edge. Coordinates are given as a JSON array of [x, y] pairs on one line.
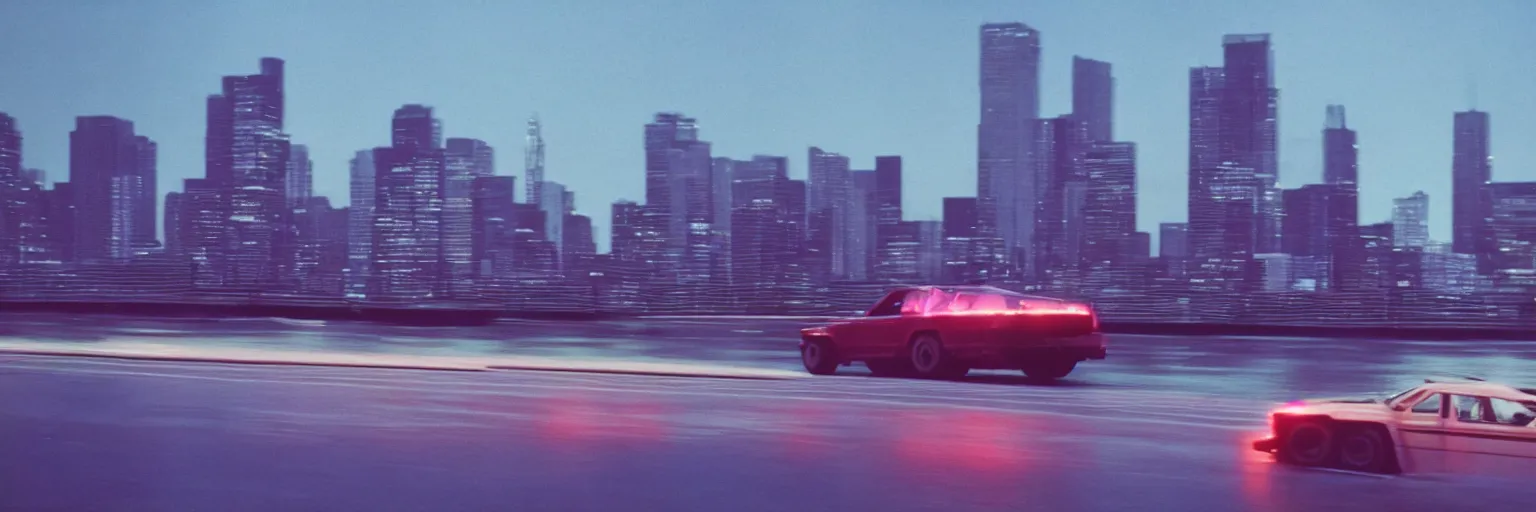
[[1161, 425]]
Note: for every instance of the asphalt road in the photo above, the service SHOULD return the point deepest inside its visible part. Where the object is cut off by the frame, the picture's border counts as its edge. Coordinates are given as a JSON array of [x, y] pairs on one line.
[[1162, 425]]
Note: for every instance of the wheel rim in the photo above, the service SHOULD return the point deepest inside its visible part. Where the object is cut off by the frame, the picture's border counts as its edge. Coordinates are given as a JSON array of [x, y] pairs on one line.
[[1308, 444], [1358, 451], [812, 355], [925, 355]]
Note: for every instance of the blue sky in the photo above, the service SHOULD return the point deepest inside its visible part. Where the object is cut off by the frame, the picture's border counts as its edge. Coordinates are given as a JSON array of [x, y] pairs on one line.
[[860, 77]]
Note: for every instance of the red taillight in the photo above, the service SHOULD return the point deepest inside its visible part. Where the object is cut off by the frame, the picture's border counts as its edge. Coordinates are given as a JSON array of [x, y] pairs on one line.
[[1095, 316]]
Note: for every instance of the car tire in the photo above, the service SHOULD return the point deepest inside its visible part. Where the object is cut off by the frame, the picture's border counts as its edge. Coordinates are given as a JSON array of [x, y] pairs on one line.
[[930, 360], [1309, 443], [1048, 370], [1365, 448], [889, 367], [819, 356]]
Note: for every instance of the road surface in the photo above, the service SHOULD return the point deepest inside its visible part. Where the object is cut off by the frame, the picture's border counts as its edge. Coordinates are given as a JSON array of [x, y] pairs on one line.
[[1161, 425]]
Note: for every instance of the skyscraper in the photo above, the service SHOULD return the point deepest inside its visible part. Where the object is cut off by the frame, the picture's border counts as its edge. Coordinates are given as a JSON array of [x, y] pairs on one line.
[[1173, 240], [407, 238], [248, 156], [1410, 220], [1471, 171], [464, 161], [1512, 226], [1060, 141], [146, 205], [1249, 138], [1341, 174], [554, 206], [1109, 210], [1207, 183], [103, 169], [829, 185], [1010, 103], [360, 223], [678, 170], [1093, 97], [533, 161], [301, 183], [10, 189]]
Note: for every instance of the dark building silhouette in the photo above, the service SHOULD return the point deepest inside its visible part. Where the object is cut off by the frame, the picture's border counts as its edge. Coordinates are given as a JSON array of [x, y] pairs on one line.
[[408, 207], [146, 205], [829, 189], [1209, 187], [892, 239], [247, 157], [1093, 98], [1249, 137], [1063, 188], [678, 170], [10, 191], [493, 224], [362, 192], [1471, 170], [1173, 240], [1512, 225], [1010, 104], [1341, 229], [464, 161], [103, 171], [1109, 212]]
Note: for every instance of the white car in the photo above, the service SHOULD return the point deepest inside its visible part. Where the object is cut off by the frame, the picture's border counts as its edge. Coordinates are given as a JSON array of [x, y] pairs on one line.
[[1459, 425]]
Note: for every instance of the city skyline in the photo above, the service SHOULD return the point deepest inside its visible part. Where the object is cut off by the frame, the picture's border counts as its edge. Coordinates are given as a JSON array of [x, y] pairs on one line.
[[934, 168]]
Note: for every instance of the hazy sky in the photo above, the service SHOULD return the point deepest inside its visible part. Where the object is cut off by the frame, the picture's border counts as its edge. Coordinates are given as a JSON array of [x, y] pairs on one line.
[[860, 77]]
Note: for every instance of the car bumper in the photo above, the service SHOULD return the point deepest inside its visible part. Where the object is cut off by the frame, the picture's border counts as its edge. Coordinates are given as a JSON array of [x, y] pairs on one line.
[[1266, 445]]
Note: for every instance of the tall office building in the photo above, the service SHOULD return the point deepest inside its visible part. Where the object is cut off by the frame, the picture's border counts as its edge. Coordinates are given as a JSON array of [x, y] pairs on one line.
[[10, 190], [1471, 171], [1249, 138], [247, 155], [555, 207], [360, 223], [1109, 210], [678, 170], [464, 161], [864, 209], [494, 223], [407, 236], [1512, 226], [1410, 220], [1341, 175], [146, 206], [300, 177], [1093, 98], [533, 161], [1209, 186], [1010, 103], [1061, 181], [1173, 240], [103, 173], [830, 187], [889, 230]]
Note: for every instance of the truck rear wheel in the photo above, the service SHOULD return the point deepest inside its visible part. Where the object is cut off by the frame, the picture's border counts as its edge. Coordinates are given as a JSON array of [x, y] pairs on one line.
[[819, 356], [1308, 443], [1365, 448], [931, 361]]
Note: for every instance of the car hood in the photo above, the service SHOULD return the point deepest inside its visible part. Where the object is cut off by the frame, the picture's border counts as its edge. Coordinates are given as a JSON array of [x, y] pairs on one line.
[[1342, 400]]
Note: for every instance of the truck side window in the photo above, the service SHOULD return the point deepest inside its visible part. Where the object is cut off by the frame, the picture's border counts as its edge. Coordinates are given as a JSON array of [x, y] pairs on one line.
[[1430, 405]]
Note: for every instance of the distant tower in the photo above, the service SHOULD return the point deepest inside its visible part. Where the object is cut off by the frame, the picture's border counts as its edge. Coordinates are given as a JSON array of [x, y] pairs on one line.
[[533, 161]]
